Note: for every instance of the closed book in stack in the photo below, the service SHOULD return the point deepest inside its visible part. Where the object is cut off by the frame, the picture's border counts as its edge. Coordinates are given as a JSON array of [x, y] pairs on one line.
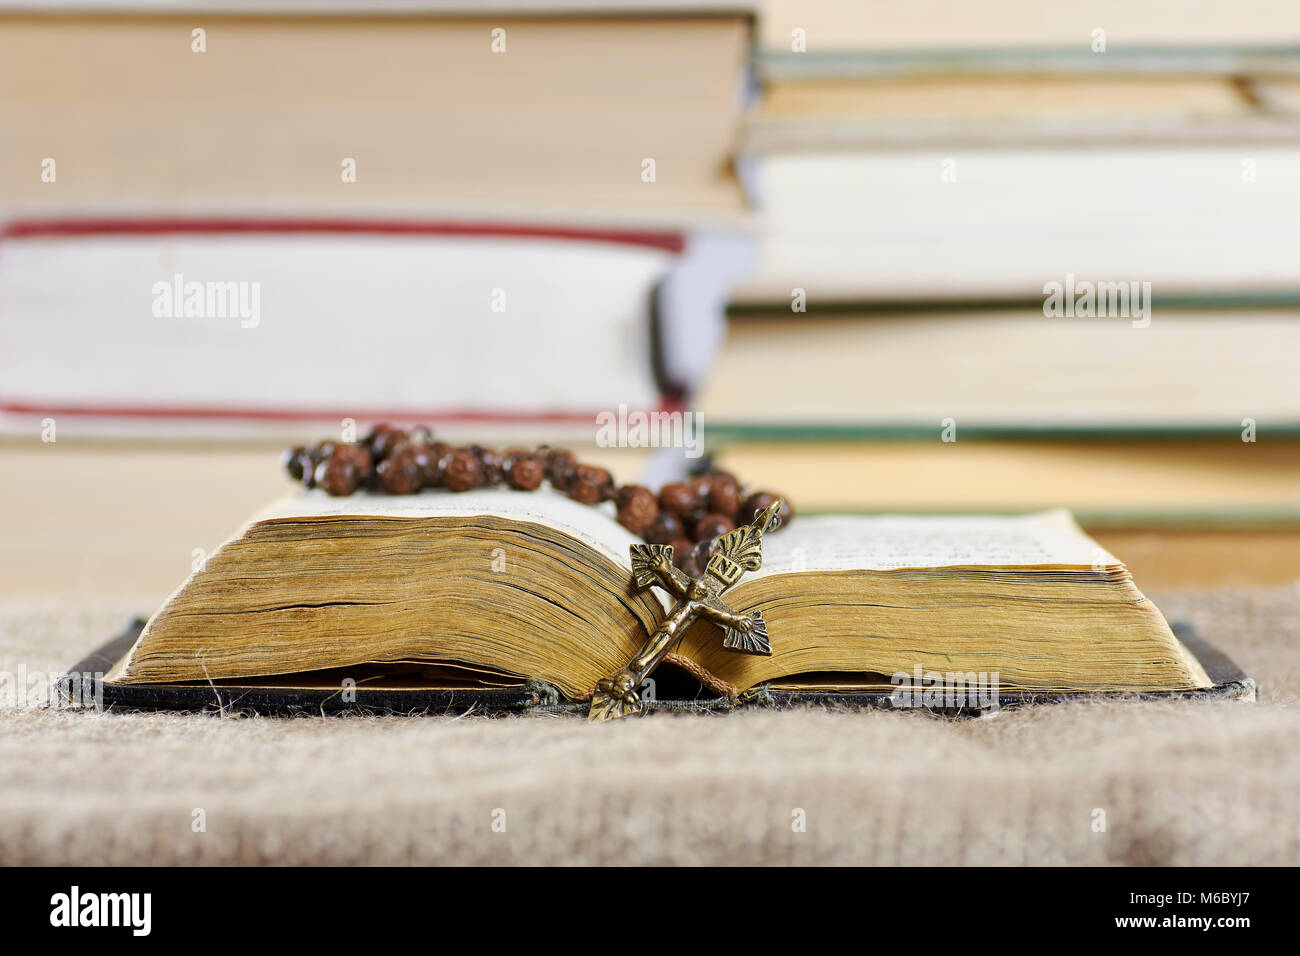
[[476, 216]]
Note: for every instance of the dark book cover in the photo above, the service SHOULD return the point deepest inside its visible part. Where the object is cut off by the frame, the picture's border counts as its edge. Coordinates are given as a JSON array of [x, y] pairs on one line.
[[83, 683]]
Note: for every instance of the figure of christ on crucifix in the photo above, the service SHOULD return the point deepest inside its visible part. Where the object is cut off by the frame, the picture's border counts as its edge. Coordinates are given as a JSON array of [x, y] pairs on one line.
[[736, 552]]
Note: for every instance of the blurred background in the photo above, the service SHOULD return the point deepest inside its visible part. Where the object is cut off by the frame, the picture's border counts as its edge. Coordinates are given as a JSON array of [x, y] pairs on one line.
[[935, 256]]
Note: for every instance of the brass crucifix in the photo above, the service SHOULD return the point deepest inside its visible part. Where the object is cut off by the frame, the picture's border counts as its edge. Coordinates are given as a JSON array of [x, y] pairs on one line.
[[736, 552]]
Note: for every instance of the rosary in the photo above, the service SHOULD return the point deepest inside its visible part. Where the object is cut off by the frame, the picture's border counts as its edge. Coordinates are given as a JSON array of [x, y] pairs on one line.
[[700, 535], [691, 516]]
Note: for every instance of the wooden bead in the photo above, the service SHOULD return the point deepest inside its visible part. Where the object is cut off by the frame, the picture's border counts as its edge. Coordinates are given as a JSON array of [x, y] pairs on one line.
[[559, 465], [359, 456], [511, 455], [599, 477], [678, 498], [338, 475], [295, 461], [639, 508], [703, 550], [711, 525], [665, 529], [585, 491], [347, 467], [763, 499], [317, 455], [382, 439], [425, 461], [491, 465], [624, 493], [684, 556], [400, 472], [526, 472], [435, 475], [724, 494], [690, 515], [291, 460], [464, 470]]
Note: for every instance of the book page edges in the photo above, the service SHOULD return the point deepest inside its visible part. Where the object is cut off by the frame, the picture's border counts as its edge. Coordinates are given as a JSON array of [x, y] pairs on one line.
[[545, 507]]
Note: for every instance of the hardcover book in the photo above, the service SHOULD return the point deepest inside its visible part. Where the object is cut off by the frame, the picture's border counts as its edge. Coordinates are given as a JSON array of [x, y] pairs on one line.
[[500, 601]]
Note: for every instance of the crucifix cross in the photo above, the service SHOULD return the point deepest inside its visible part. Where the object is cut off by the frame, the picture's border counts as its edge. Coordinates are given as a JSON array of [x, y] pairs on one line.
[[735, 553]]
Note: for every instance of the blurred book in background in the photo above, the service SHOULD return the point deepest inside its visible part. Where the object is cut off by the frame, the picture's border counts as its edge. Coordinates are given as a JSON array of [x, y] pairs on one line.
[[499, 219], [948, 151], [928, 173], [1028, 27], [183, 327], [860, 373], [1192, 418], [540, 111]]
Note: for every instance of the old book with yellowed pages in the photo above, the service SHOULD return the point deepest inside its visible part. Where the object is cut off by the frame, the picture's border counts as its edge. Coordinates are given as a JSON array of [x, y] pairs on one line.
[[499, 600]]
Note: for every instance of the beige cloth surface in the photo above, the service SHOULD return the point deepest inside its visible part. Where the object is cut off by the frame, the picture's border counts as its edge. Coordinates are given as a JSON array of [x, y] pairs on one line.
[[1211, 782]]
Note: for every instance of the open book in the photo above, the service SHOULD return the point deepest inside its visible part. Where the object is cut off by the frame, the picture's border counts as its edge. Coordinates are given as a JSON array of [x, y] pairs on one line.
[[488, 593]]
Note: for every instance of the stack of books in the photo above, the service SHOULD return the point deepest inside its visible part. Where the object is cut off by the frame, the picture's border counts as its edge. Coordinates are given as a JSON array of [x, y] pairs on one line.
[[1016, 255], [261, 222]]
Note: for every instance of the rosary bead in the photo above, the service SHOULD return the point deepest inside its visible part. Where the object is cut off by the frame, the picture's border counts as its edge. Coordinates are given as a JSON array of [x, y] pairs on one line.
[[700, 485], [665, 529], [294, 461], [763, 499], [599, 477], [490, 464], [426, 462], [335, 479], [585, 491], [464, 470], [400, 472], [359, 456], [436, 473], [316, 455], [711, 525], [684, 557], [678, 498], [638, 510], [340, 473], [723, 494], [624, 493], [382, 439], [526, 472], [690, 515], [510, 455], [559, 465]]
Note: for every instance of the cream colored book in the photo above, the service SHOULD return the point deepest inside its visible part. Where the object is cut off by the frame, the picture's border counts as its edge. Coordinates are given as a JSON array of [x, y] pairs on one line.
[[501, 589], [478, 113]]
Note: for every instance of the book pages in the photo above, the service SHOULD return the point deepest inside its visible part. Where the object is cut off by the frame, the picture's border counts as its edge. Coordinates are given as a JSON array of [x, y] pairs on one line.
[[854, 543], [594, 526]]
